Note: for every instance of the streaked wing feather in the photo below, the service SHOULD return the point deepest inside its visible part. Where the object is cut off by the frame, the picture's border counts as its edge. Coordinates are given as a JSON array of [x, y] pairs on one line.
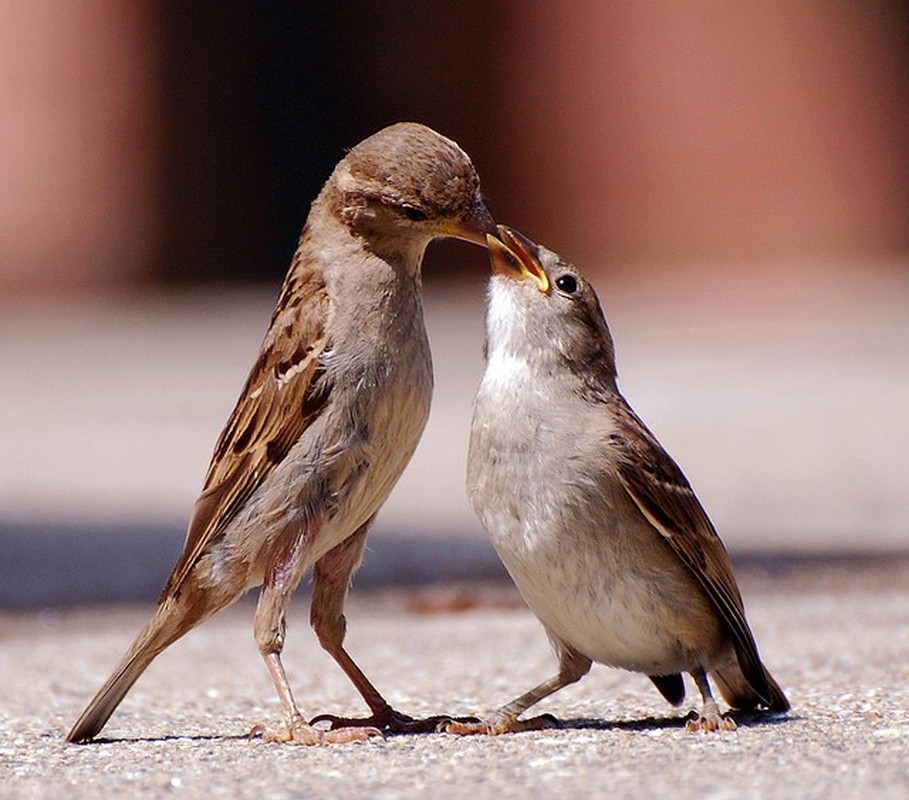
[[661, 491], [281, 396]]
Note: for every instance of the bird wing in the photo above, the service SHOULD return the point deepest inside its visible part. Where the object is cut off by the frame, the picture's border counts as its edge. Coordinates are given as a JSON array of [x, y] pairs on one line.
[[662, 493], [280, 398]]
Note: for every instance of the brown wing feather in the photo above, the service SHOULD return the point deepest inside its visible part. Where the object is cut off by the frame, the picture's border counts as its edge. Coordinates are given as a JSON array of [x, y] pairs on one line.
[[281, 395], [659, 488]]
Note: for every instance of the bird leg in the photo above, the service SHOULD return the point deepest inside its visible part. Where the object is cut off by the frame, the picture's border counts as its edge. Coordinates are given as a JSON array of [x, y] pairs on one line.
[[709, 717], [270, 630], [331, 580], [572, 667]]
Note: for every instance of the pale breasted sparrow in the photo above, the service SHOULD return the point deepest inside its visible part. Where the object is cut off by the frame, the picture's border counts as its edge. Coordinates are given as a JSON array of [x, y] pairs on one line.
[[594, 521]]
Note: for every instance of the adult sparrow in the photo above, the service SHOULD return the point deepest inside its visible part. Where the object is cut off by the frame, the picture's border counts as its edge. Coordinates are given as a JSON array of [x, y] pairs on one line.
[[330, 415], [594, 521]]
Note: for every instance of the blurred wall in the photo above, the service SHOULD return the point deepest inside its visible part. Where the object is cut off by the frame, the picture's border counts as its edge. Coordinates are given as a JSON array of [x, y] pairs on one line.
[[178, 141], [696, 131], [79, 145]]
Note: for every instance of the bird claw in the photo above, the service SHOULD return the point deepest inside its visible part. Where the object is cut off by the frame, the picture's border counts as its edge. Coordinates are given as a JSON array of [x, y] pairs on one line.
[[389, 722], [303, 733], [497, 724], [708, 721]]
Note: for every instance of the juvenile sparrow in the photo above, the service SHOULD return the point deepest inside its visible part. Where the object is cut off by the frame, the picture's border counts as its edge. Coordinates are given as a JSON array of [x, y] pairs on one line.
[[594, 521], [330, 415]]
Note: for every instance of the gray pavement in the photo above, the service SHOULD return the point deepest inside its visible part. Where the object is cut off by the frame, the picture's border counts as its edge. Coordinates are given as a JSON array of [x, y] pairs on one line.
[[784, 402], [837, 639]]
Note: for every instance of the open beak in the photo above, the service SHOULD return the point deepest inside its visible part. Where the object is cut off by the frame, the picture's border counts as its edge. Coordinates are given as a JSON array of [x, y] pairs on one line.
[[475, 226], [515, 256]]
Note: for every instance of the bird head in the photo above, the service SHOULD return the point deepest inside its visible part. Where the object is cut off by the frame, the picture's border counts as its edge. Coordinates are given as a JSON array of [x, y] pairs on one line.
[[542, 309], [407, 185]]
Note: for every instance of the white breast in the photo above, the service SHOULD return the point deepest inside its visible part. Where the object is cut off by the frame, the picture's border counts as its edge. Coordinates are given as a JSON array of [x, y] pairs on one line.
[[590, 567]]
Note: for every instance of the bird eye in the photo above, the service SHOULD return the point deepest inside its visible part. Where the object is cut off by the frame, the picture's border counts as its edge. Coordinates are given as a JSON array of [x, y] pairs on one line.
[[567, 283], [413, 213]]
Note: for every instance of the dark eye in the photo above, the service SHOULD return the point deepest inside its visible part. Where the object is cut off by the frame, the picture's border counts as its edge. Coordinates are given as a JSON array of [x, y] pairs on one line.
[[567, 283], [413, 213]]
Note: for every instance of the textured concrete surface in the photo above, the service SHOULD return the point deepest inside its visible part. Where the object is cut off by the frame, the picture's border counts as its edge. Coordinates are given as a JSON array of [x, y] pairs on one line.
[[785, 404], [837, 639]]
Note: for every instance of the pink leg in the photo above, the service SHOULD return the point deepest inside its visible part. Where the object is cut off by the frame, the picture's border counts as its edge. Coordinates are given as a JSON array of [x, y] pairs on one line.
[[331, 580], [270, 631], [709, 717], [572, 667]]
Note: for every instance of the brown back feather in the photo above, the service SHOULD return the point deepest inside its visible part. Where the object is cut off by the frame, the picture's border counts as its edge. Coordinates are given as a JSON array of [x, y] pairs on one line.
[[661, 491], [259, 433]]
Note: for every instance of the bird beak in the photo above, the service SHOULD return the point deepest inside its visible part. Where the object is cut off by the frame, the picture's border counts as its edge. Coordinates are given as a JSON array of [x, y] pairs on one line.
[[514, 256], [474, 227]]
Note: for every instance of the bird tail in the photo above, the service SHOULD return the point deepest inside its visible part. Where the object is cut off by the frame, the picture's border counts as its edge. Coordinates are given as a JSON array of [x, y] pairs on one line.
[[739, 693], [672, 687], [166, 626]]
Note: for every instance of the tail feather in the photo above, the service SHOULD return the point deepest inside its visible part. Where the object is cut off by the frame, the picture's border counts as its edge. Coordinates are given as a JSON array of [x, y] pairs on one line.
[[164, 628], [739, 693], [778, 700], [672, 687]]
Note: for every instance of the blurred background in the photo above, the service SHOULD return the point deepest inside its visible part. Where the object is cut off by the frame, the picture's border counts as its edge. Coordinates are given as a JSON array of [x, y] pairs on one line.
[[733, 176]]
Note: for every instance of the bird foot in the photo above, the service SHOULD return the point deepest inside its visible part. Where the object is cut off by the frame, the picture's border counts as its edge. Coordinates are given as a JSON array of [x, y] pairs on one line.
[[709, 720], [388, 721], [498, 724], [301, 732]]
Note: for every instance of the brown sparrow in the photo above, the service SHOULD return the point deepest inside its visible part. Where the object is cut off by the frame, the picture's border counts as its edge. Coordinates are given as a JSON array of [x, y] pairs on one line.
[[594, 521], [330, 415]]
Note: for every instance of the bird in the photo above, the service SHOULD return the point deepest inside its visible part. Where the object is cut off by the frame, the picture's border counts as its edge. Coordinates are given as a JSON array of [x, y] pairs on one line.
[[595, 522], [328, 418]]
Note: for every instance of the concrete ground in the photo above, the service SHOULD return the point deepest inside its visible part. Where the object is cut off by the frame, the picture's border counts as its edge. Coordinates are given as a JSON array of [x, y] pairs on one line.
[[837, 639], [783, 400]]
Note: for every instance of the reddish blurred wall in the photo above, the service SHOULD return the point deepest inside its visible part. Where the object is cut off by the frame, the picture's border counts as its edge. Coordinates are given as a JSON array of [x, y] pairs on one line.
[[709, 132], [627, 135], [78, 143]]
